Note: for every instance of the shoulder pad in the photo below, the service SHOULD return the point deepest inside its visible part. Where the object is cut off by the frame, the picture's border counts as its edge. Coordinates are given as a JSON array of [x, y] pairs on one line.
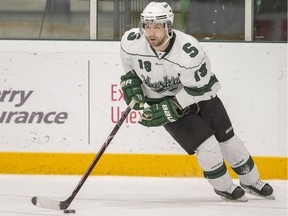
[[133, 41], [190, 53]]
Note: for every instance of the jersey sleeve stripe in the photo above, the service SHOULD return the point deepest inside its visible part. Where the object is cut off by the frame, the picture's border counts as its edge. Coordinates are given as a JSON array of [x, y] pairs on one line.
[[202, 90]]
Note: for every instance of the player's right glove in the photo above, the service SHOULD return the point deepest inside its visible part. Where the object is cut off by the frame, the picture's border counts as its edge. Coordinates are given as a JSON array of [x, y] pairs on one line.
[[160, 114], [131, 87]]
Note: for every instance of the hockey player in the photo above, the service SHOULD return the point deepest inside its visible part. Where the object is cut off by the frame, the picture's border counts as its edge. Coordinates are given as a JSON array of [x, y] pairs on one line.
[[169, 72]]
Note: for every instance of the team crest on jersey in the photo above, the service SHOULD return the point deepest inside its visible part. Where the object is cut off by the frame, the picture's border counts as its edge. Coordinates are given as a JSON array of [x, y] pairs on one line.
[[167, 84]]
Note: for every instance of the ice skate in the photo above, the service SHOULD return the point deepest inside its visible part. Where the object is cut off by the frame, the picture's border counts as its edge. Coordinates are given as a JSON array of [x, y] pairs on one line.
[[234, 193], [260, 189]]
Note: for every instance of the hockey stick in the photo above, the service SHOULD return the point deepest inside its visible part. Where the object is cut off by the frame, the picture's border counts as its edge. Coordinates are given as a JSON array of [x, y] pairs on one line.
[[62, 205]]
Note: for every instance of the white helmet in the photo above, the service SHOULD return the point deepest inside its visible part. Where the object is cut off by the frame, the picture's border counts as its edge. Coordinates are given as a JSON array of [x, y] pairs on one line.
[[158, 12]]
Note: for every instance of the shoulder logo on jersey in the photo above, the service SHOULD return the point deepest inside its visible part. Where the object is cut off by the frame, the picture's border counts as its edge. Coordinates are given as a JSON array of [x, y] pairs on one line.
[[166, 84], [133, 36]]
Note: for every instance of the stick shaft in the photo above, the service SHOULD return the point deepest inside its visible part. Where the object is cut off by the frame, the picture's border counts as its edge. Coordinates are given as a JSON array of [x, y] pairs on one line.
[[46, 203], [101, 151]]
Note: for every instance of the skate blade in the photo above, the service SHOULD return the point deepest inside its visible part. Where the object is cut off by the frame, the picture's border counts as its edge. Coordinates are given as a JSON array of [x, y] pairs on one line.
[[270, 197], [241, 199]]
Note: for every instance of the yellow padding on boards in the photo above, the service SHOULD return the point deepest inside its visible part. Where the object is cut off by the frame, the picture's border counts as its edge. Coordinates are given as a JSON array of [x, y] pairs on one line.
[[124, 165]]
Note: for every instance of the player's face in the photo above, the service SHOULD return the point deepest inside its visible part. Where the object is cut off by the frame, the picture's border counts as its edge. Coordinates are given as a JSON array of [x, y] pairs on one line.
[[155, 33]]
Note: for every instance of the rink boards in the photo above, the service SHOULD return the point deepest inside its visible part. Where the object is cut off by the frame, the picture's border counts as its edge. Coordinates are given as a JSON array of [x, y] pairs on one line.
[[125, 165], [59, 100]]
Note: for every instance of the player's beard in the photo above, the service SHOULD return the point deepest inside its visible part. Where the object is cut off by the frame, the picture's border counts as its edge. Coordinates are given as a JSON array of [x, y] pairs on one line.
[[158, 44]]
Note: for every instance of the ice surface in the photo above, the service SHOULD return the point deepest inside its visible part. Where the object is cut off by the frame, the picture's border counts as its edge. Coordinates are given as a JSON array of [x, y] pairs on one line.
[[130, 196]]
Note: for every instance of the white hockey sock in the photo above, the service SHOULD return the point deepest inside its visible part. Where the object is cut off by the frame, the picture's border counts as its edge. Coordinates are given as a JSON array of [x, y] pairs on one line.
[[222, 183], [251, 177], [237, 156], [210, 159]]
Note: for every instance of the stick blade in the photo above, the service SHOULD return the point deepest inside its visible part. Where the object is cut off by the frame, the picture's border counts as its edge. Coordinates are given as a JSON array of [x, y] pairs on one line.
[[43, 202]]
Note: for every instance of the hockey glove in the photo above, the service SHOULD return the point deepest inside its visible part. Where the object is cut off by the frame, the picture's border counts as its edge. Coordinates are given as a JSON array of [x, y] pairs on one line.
[[160, 114], [131, 87]]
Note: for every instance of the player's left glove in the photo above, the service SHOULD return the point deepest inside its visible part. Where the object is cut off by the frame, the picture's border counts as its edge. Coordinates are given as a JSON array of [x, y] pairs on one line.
[[160, 114], [131, 87]]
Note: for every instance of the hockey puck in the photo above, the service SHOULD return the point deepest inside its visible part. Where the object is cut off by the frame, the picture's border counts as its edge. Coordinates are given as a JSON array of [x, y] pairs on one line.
[[68, 211]]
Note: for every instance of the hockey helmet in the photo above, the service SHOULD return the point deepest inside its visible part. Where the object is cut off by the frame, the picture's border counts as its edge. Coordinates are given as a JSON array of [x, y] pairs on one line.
[[158, 12]]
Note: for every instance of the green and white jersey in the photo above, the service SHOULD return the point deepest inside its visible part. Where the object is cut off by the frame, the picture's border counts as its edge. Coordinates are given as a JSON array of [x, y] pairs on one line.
[[183, 70]]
